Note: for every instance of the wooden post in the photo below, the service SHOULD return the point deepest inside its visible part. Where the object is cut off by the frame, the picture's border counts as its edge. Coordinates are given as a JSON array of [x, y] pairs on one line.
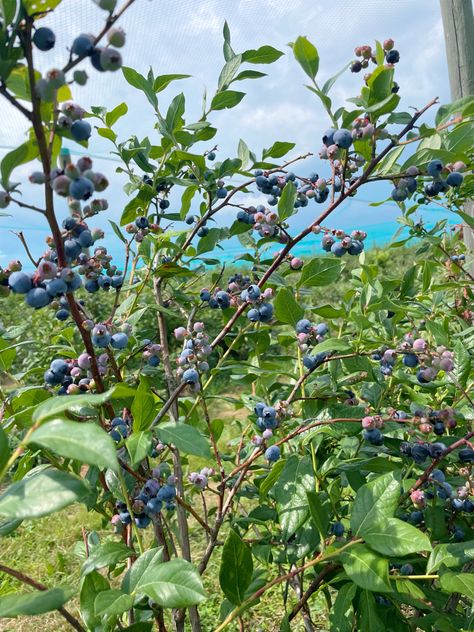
[[458, 24]]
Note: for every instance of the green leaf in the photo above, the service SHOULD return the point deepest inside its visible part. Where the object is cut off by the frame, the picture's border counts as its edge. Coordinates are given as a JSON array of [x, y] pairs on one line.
[[143, 405], [8, 10], [113, 116], [366, 568], [186, 200], [249, 74], [7, 355], [451, 555], [290, 493], [320, 271], [150, 558], [86, 442], [138, 446], [331, 344], [462, 367], [286, 203], [117, 231], [236, 568], [226, 99], [287, 310], [107, 554], [137, 80], [186, 438], [20, 155], [342, 613], [380, 84], [41, 493], [332, 80], [56, 405], [445, 112], [262, 55], [271, 478], [34, 602], [228, 72], [112, 603], [375, 501], [162, 81], [307, 56], [459, 583], [369, 621], [394, 537], [175, 584], [319, 513], [91, 585], [277, 150]]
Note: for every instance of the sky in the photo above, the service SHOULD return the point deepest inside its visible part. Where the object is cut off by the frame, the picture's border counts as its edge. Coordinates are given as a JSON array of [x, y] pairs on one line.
[[185, 36]]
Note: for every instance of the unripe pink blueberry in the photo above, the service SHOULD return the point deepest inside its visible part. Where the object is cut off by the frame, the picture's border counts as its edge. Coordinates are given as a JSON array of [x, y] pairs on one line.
[[84, 361], [296, 263], [256, 440], [420, 344], [418, 498], [388, 44], [47, 270], [266, 434], [367, 423]]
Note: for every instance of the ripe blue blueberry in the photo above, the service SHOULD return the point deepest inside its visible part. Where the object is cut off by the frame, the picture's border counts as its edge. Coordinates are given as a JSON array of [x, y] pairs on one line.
[[454, 179], [343, 138], [303, 326], [266, 312], [72, 248], [436, 450], [434, 168], [410, 360], [468, 506], [100, 336], [327, 242], [466, 455], [154, 506], [337, 529], [53, 379], [356, 247], [62, 314], [142, 222], [81, 188], [221, 193], [189, 219], [211, 155], [19, 282], [91, 285], [416, 517], [253, 315], [223, 299], [125, 517], [85, 239], [154, 361], [119, 340], [164, 204], [117, 281], [373, 436], [119, 432], [96, 60], [338, 249], [44, 38], [191, 376], [38, 297], [83, 45], [166, 493], [81, 130], [399, 195], [406, 569], [205, 295], [328, 137], [203, 231], [142, 521], [457, 504], [392, 56], [272, 453], [59, 366]]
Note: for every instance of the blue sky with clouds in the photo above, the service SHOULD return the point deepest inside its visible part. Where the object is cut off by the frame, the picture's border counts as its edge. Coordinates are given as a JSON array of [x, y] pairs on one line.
[[185, 36]]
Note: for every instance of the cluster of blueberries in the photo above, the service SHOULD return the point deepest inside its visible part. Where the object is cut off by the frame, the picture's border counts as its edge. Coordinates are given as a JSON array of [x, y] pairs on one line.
[[371, 425], [77, 181], [443, 177], [149, 502], [261, 310], [193, 357], [72, 376], [392, 56], [151, 353], [309, 334], [102, 337], [141, 227], [416, 354], [339, 243], [268, 418]]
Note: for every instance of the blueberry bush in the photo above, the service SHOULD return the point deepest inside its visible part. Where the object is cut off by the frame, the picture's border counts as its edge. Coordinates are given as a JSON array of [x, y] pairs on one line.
[[346, 471]]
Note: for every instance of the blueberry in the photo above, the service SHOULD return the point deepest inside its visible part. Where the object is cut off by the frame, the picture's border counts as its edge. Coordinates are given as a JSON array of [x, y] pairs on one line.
[[189, 219], [81, 188], [154, 361], [406, 569], [117, 281], [72, 248], [52, 378], [142, 222], [119, 340], [110, 59], [253, 315], [437, 475], [392, 56], [96, 60], [455, 179], [373, 436], [223, 299], [221, 193], [337, 529], [125, 517], [328, 137], [436, 450], [416, 517], [410, 360], [191, 376], [338, 249], [203, 231], [154, 506], [439, 428], [142, 521], [205, 295], [444, 491], [466, 455], [419, 452], [303, 326], [259, 408], [434, 168], [211, 155], [59, 366], [266, 312], [309, 362], [327, 242], [44, 38], [272, 453], [457, 504], [91, 285], [62, 314], [19, 282], [458, 534], [468, 506], [81, 130], [100, 336], [38, 297], [164, 204], [253, 292], [356, 247], [343, 138], [119, 432], [166, 493], [83, 45], [399, 195], [405, 448], [85, 239], [321, 329]]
